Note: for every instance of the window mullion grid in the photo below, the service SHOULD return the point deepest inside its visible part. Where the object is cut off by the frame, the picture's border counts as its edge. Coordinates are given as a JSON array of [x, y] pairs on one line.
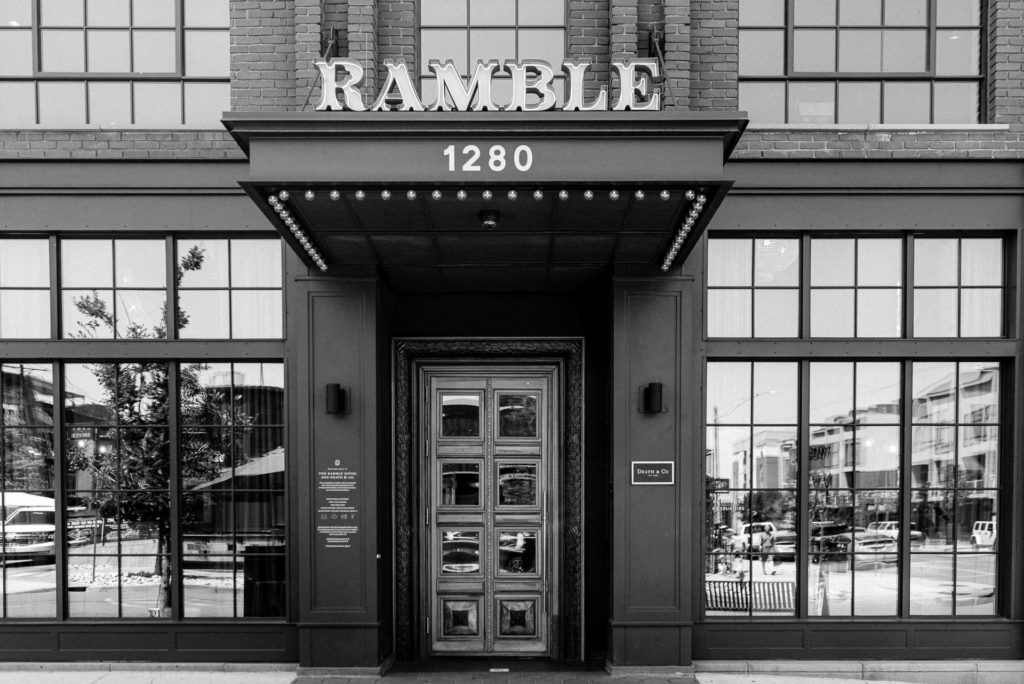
[[954, 485], [55, 288], [174, 495], [805, 286], [803, 488], [60, 493], [906, 492], [908, 289], [171, 284], [959, 288], [753, 293]]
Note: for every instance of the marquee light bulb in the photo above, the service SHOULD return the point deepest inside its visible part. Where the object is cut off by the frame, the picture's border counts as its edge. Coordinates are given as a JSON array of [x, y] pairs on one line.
[[639, 194], [360, 195], [666, 195], [283, 195], [335, 195], [310, 195], [512, 194], [690, 194], [538, 195], [487, 195], [385, 194], [563, 195], [588, 194], [461, 194], [436, 194], [411, 194]]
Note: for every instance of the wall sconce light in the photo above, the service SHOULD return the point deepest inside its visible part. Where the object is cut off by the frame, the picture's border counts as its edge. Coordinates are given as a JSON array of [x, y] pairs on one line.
[[652, 398], [337, 398]]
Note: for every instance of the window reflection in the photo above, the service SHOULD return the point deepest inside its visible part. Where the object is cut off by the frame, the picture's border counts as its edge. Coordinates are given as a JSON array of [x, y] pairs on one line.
[[517, 415], [229, 289], [958, 287], [113, 288], [460, 552], [517, 552], [753, 287], [460, 484], [460, 415]]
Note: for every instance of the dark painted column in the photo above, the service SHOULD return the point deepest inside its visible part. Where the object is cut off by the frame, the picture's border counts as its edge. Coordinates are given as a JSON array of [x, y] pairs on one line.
[[652, 523], [332, 338]]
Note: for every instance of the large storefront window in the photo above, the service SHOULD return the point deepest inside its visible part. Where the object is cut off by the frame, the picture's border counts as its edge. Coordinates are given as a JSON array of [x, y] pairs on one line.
[[877, 524], [172, 476], [29, 579]]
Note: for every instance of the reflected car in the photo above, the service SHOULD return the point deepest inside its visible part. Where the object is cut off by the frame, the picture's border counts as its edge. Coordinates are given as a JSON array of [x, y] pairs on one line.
[[785, 544], [869, 546], [983, 533], [821, 531], [891, 528], [29, 532]]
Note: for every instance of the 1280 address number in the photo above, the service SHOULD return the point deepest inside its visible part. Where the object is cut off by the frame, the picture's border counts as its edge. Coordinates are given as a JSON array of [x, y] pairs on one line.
[[498, 158]]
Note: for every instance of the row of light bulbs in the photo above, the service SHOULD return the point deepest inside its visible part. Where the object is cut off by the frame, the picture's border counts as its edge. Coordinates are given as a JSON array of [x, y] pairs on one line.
[[684, 230], [278, 203], [488, 195]]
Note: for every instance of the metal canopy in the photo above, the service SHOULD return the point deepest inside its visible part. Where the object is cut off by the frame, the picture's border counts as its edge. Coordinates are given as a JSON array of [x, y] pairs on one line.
[[567, 197]]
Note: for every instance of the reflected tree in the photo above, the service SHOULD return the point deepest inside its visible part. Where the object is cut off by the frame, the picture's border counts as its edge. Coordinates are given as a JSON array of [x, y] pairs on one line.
[[136, 398]]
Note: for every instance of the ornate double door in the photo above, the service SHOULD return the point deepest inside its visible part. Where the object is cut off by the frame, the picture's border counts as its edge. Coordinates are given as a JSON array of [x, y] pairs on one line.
[[491, 450]]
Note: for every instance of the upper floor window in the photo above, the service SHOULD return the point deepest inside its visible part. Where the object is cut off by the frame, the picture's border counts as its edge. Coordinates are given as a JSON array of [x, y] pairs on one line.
[[860, 61], [114, 63], [469, 31]]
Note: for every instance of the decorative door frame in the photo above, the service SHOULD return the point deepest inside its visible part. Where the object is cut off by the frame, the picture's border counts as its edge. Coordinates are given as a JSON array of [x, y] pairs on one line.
[[568, 353]]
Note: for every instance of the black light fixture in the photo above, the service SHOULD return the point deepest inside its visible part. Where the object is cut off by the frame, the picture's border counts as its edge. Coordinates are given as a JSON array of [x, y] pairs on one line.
[[652, 398], [489, 219], [337, 398]]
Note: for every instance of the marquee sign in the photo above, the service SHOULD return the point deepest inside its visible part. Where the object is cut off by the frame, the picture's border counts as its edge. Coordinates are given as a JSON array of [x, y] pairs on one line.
[[532, 87]]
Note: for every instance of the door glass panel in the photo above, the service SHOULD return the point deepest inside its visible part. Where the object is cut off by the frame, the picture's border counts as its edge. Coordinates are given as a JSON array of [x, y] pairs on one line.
[[517, 484], [517, 415], [517, 552], [517, 618], [460, 552], [460, 484], [460, 415]]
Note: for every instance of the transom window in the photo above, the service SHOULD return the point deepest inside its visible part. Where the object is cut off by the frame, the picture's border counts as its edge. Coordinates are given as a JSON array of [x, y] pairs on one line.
[[113, 63], [225, 288], [864, 287], [860, 61], [466, 32]]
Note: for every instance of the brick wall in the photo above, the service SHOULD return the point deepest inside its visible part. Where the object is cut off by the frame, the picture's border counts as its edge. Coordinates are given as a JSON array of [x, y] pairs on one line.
[[336, 23], [589, 40], [714, 50], [273, 43], [396, 34], [308, 34], [262, 55]]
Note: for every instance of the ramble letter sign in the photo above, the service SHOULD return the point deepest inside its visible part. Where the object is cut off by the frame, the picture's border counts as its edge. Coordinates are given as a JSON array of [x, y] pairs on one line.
[[341, 77]]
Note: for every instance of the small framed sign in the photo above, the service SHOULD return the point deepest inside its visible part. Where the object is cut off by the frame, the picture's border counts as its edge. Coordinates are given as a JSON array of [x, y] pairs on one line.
[[654, 472]]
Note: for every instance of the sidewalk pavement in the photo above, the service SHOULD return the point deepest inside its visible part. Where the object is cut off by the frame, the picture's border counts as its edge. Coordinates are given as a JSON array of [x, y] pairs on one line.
[[785, 672]]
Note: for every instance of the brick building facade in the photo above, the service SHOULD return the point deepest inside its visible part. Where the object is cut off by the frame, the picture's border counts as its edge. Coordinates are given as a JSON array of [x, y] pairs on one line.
[[453, 382]]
